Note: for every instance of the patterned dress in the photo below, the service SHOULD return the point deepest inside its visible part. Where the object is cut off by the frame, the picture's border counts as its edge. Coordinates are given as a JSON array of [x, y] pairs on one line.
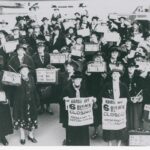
[[25, 106]]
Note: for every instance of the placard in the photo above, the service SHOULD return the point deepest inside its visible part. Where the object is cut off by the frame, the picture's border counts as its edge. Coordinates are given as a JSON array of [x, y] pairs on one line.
[[101, 29], [90, 47], [76, 53], [114, 113], [139, 138], [84, 32], [44, 75], [10, 46], [57, 58], [2, 96], [11, 78], [68, 24], [112, 37], [96, 67], [80, 112]]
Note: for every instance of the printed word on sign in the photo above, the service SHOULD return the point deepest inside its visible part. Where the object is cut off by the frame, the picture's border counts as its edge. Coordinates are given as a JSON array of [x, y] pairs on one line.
[[97, 67], [114, 113], [80, 111], [47, 75], [57, 58], [91, 47], [11, 78]]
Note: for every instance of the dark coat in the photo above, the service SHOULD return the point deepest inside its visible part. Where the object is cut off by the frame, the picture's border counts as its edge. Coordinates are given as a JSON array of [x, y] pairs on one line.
[[6, 126], [15, 63], [45, 98], [37, 61], [24, 96], [107, 92], [60, 42], [135, 110], [95, 83], [48, 29], [74, 135]]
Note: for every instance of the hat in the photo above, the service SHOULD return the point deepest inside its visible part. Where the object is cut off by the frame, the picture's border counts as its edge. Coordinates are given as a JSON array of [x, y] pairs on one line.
[[131, 64], [20, 46], [78, 36], [44, 18], [15, 28], [56, 28], [54, 6], [116, 68], [3, 22], [95, 17], [137, 54], [77, 74], [77, 13], [64, 49], [82, 5], [115, 48], [23, 41], [84, 16], [24, 66], [73, 63], [41, 44], [122, 18]]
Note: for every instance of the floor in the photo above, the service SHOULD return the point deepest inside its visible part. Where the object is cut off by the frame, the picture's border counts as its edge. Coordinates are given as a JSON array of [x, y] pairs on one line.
[[50, 132]]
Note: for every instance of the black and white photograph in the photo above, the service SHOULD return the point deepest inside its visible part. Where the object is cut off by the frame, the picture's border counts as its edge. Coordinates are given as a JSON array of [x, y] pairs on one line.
[[74, 73]]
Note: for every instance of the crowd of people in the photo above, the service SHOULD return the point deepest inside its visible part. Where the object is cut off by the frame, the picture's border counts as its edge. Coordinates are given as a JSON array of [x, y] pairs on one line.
[[126, 74]]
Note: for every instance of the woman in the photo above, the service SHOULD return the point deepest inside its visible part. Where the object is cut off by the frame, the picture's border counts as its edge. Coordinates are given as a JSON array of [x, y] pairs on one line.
[[6, 126], [95, 82], [136, 87], [114, 90], [75, 135], [25, 106]]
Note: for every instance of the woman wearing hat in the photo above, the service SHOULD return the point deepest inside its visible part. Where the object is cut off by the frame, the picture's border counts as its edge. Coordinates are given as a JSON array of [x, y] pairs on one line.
[[136, 33], [25, 106], [6, 126], [20, 57], [45, 27], [114, 90], [135, 85], [115, 53], [95, 81], [75, 135]]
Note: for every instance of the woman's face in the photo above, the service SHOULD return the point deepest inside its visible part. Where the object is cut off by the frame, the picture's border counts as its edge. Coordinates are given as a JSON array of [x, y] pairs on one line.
[[21, 52], [79, 41], [115, 76], [16, 32], [93, 38], [135, 26], [128, 43], [24, 73], [131, 70], [114, 55], [99, 59], [41, 50], [77, 82], [69, 68], [71, 31]]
